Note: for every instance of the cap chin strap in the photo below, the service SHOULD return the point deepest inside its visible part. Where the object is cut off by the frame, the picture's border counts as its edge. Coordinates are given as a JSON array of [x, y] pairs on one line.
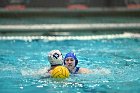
[[76, 62]]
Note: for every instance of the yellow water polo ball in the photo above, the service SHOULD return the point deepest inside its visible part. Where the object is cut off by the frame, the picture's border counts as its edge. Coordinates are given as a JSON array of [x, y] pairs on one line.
[[60, 72]]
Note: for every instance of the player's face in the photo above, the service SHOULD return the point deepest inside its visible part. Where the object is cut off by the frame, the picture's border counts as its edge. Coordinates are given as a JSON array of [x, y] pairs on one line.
[[70, 62]]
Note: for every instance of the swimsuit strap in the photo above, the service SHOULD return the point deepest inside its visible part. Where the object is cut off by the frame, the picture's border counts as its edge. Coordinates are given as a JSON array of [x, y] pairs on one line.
[[76, 71]]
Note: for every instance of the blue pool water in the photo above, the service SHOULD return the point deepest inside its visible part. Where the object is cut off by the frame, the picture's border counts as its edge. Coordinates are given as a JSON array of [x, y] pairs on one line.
[[116, 63]]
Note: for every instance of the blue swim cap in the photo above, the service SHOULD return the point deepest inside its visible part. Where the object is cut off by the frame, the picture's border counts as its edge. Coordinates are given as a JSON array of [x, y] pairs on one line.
[[70, 54]]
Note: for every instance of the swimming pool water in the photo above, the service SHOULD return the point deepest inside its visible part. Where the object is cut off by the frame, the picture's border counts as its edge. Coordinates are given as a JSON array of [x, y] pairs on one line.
[[116, 63]]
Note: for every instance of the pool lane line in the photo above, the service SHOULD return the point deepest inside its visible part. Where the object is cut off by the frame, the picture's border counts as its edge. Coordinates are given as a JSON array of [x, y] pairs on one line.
[[70, 26], [59, 38]]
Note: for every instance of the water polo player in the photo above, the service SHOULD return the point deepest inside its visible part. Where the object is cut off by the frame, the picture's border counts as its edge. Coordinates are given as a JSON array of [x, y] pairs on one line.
[[55, 58], [71, 61]]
